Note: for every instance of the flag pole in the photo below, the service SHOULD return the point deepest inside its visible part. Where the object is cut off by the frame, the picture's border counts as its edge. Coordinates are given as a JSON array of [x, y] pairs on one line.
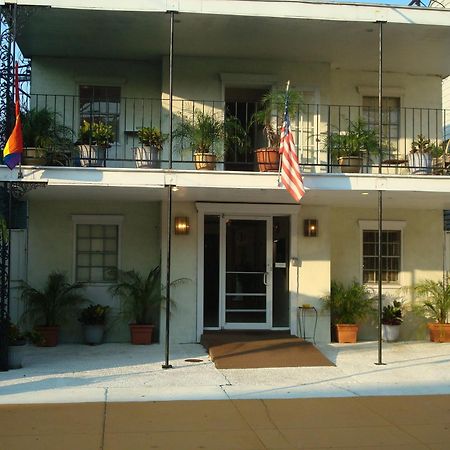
[[285, 107]]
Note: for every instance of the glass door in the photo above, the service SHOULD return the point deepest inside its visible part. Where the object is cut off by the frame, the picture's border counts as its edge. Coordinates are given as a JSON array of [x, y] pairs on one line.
[[247, 274]]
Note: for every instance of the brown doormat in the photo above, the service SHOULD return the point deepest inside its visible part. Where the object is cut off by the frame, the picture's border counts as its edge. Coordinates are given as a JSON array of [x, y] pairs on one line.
[[250, 350]]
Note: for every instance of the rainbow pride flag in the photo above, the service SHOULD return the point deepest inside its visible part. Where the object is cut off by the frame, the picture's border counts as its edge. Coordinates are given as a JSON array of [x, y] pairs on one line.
[[12, 153]]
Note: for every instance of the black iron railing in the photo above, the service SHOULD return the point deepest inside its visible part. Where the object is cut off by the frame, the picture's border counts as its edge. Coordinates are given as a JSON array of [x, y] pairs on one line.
[[321, 133]]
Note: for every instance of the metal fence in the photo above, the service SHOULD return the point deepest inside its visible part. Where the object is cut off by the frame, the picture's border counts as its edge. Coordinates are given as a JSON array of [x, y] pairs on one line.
[[316, 128]]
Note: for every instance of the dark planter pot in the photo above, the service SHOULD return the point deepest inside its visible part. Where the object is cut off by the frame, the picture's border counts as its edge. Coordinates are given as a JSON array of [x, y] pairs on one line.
[[347, 333], [268, 159], [93, 334], [15, 355], [50, 336], [33, 156], [141, 334]]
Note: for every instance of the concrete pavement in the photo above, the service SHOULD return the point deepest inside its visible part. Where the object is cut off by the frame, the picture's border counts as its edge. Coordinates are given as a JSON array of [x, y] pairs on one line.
[[116, 396]]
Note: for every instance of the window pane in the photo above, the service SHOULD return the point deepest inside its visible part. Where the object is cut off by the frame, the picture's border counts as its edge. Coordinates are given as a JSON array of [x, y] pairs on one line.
[[96, 254], [390, 263]]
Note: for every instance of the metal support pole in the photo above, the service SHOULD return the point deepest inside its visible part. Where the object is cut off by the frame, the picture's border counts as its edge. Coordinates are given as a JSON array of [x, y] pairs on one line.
[[380, 281], [380, 95], [167, 364], [380, 193]]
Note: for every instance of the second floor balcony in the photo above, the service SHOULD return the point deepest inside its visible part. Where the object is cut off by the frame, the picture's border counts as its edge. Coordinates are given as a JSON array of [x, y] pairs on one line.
[[113, 131]]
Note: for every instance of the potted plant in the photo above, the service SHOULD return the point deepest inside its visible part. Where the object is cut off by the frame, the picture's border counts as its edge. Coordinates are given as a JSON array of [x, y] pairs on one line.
[[435, 306], [202, 136], [49, 307], [349, 147], [421, 155], [348, 305], [391, 319], [152, 141], [94, 139], [16, 345], [271, 116], [93, 318], [46, 141]]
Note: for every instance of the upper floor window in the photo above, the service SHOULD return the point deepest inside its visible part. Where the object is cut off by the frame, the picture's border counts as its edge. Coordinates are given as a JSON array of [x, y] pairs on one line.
[[100, 104], [390, 115]]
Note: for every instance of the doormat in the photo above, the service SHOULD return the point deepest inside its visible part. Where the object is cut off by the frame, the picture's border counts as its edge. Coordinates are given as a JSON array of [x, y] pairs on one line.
[[252, 350]]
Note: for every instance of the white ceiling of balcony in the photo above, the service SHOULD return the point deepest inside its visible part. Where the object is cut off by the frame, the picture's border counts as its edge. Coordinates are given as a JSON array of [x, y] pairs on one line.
[[422, 49]]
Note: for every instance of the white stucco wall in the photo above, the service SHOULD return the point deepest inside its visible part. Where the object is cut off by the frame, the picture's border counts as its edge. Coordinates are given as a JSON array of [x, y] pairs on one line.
[[314, 274], [422, 255], [51, 247]]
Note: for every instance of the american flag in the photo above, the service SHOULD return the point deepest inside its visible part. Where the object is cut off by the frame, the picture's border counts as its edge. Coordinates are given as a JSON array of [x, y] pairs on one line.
[[290, 172]]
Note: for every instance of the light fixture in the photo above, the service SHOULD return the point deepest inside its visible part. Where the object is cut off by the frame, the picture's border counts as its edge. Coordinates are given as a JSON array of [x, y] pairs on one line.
[[310, 227], [182, 225]]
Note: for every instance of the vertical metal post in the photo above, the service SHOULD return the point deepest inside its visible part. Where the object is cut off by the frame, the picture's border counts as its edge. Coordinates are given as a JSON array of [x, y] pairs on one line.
[[166, 364], [380, 193], [380, 95]]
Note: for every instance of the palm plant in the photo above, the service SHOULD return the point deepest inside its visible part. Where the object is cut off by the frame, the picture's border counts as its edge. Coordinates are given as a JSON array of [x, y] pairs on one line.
[[202, 134], [348, 304], [52, 305], [356, 140], [141, 296], [435, 296], [270, 116]]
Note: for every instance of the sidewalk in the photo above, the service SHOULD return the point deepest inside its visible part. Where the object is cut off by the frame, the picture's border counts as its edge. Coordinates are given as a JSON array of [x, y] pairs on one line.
[[122, 372], [115, 396]]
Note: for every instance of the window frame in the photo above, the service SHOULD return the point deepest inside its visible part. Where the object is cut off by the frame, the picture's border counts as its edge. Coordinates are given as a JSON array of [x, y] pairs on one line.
[[119, 132], [96, 219], [387, 225]]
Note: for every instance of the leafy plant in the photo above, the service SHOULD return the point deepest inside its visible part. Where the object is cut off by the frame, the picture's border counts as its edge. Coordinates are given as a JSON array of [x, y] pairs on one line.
[[237, 141], [392, 313], [96, 133], [141, 296], [51, 305], [152, 137], [348, 304], [424, 145], [15, 335], [41, 129], [271, 114], [354, 141], [435, 297], [202, 134], [94, 315]]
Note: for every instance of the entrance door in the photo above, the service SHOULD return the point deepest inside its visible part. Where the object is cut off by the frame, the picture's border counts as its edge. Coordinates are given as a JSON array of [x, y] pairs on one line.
[[247, 272]]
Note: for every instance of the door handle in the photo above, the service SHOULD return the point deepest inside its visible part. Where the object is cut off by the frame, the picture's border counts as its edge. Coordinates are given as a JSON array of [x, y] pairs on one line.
[[265, 278]]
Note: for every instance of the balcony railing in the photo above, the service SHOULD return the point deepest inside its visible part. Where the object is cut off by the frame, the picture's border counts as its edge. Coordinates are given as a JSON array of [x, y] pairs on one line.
[[319, 132]]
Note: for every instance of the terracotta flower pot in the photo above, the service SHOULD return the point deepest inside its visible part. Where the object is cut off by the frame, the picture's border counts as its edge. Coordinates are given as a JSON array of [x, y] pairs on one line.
[[141, 334], [350, 164], [439, 332], [268, 159], [205, 161], [50, 336], [347, 333]]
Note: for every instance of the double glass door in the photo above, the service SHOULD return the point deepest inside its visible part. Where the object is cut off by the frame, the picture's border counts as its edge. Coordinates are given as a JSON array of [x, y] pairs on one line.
[[246, 274]]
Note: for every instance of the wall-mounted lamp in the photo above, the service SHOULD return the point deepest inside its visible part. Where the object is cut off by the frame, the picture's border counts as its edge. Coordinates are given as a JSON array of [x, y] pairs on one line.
[[310, 227], [182, 225]]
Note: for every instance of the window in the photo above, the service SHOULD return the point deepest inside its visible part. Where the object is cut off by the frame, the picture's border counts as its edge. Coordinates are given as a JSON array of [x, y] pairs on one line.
[[100, 104], [390, 121], [96, 252], [391, 260]]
